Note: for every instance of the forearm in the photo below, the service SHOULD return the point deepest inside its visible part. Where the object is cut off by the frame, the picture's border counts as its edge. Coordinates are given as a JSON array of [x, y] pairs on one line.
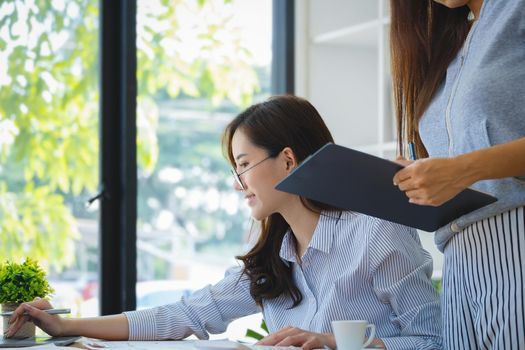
[[494, 162], [114, 327]]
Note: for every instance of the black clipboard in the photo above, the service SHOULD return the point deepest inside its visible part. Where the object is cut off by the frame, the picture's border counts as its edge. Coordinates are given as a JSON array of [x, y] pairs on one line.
[[357, 181]]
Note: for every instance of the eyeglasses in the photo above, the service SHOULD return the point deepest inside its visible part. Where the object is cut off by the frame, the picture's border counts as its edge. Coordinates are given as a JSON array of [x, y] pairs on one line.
[[237, 176]]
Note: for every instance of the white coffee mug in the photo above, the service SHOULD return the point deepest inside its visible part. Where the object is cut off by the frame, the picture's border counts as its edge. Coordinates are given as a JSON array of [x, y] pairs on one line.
[[350, 334]]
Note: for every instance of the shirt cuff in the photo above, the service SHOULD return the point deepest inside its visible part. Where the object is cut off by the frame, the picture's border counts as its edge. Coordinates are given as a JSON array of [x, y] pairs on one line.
[[141, 324]]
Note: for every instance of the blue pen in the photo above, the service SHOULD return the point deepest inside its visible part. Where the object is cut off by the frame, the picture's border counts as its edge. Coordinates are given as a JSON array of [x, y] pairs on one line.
[[412, 151]]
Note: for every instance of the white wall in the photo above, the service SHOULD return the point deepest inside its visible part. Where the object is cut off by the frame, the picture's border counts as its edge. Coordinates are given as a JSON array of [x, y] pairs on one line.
[[342, 67]]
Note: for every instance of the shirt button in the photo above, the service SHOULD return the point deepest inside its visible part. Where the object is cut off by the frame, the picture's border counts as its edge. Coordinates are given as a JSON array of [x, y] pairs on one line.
[[455, 227]]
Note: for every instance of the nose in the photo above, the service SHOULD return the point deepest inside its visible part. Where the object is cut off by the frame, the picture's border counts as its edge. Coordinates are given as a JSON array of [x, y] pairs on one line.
[[236, 186]]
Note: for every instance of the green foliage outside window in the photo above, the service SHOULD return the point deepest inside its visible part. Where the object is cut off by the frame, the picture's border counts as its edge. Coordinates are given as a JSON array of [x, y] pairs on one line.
[[49, 96]]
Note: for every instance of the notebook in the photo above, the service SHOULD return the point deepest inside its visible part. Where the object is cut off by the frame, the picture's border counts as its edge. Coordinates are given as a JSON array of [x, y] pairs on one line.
[[38, 340], [357, 181]]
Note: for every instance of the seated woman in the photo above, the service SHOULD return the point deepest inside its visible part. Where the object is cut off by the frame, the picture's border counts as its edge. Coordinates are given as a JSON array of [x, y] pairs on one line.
[[312, 264]]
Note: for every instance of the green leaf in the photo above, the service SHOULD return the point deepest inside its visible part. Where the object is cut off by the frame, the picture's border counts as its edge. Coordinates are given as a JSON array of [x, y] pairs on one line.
[[264, 327], [253, 334]]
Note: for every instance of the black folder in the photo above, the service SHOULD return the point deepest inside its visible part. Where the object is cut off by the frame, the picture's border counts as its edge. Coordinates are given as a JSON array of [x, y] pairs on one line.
[[357, 181]]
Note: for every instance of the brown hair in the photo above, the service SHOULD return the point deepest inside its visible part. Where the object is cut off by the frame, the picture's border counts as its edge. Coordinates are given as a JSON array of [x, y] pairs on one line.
[[281, 121], [424, 38]]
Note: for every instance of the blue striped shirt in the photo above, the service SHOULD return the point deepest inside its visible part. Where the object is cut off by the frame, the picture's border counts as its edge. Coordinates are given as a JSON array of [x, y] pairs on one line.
[[355, 267]]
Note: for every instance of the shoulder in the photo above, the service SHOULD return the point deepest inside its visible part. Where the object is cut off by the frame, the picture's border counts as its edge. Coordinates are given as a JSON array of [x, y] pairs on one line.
[[382, 238], [374, 228], [360, 229]]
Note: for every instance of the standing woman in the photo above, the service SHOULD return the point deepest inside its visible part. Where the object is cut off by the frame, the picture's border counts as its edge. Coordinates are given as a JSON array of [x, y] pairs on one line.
[[459, 86]]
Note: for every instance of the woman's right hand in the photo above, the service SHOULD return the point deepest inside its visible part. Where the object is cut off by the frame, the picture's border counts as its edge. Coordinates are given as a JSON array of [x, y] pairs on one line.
[[51, 324]]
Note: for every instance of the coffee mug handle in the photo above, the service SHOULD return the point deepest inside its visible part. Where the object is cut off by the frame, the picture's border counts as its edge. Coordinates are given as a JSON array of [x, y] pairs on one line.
[[371, 336]]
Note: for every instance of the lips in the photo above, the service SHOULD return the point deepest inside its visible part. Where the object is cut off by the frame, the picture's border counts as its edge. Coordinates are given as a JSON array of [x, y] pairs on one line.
[[250, 198]]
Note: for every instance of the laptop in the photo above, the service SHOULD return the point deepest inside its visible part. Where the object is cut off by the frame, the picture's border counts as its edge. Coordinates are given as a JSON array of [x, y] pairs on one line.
[[357, 181], [37, 340]]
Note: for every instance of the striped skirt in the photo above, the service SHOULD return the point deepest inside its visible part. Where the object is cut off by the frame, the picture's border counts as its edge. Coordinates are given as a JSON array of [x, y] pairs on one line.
[[484, 285]]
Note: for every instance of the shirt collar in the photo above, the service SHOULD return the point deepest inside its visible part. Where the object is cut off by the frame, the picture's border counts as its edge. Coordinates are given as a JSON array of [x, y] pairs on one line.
[[322, 237], [287, 251]]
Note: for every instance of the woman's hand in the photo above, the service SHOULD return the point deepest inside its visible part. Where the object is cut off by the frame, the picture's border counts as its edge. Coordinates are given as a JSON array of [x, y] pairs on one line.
[[432, 181], [292, 336], [51, 324]]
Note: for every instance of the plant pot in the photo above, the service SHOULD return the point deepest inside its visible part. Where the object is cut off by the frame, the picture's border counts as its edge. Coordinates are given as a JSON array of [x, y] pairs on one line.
[[27, 330]]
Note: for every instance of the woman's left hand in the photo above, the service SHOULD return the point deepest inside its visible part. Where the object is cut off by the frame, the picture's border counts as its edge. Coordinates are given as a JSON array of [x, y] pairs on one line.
[[292, 336], [432, 181]]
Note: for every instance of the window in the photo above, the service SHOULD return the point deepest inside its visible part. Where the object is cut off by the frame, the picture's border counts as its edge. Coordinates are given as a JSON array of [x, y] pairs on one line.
[[199, 64]]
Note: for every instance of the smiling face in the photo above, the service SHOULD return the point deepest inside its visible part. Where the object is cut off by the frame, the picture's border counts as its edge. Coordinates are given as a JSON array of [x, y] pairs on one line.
[[259, 181]]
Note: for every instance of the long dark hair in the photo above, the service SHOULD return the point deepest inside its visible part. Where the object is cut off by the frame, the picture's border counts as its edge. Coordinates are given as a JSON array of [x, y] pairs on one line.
[[281, 121], [424, 38]]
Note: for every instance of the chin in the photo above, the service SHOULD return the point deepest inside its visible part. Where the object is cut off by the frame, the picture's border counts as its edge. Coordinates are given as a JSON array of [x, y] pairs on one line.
[[259, 214], [257, 217], [452, 3]]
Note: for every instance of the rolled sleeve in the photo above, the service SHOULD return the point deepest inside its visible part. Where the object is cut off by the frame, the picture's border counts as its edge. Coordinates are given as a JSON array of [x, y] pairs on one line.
[[141, 324]]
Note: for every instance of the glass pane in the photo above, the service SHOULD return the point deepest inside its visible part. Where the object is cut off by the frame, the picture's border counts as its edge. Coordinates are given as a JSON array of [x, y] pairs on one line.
[[199, 64], [49, 142]]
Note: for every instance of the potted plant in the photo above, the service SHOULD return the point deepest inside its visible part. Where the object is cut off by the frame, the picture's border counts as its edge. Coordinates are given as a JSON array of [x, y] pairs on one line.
[[20, 283]]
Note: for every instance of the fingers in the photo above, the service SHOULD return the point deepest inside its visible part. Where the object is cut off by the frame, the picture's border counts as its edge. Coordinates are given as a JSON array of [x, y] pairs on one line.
[[25, 313], [305, 340], [278, 336], [405, 178], [402, 175], [289, 340], [39, 303], [292, 336], [16, 314], [36, 315], [407, 185], [403, 161], [292, 340], [16, 322]]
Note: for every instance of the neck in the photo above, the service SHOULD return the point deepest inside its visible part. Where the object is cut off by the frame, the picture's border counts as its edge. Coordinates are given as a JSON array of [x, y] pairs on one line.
[[475, 7], [302, 222]]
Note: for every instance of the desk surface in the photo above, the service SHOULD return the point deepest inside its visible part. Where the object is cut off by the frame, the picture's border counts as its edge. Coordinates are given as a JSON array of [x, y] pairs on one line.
[[91, 344], [175, 345]]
